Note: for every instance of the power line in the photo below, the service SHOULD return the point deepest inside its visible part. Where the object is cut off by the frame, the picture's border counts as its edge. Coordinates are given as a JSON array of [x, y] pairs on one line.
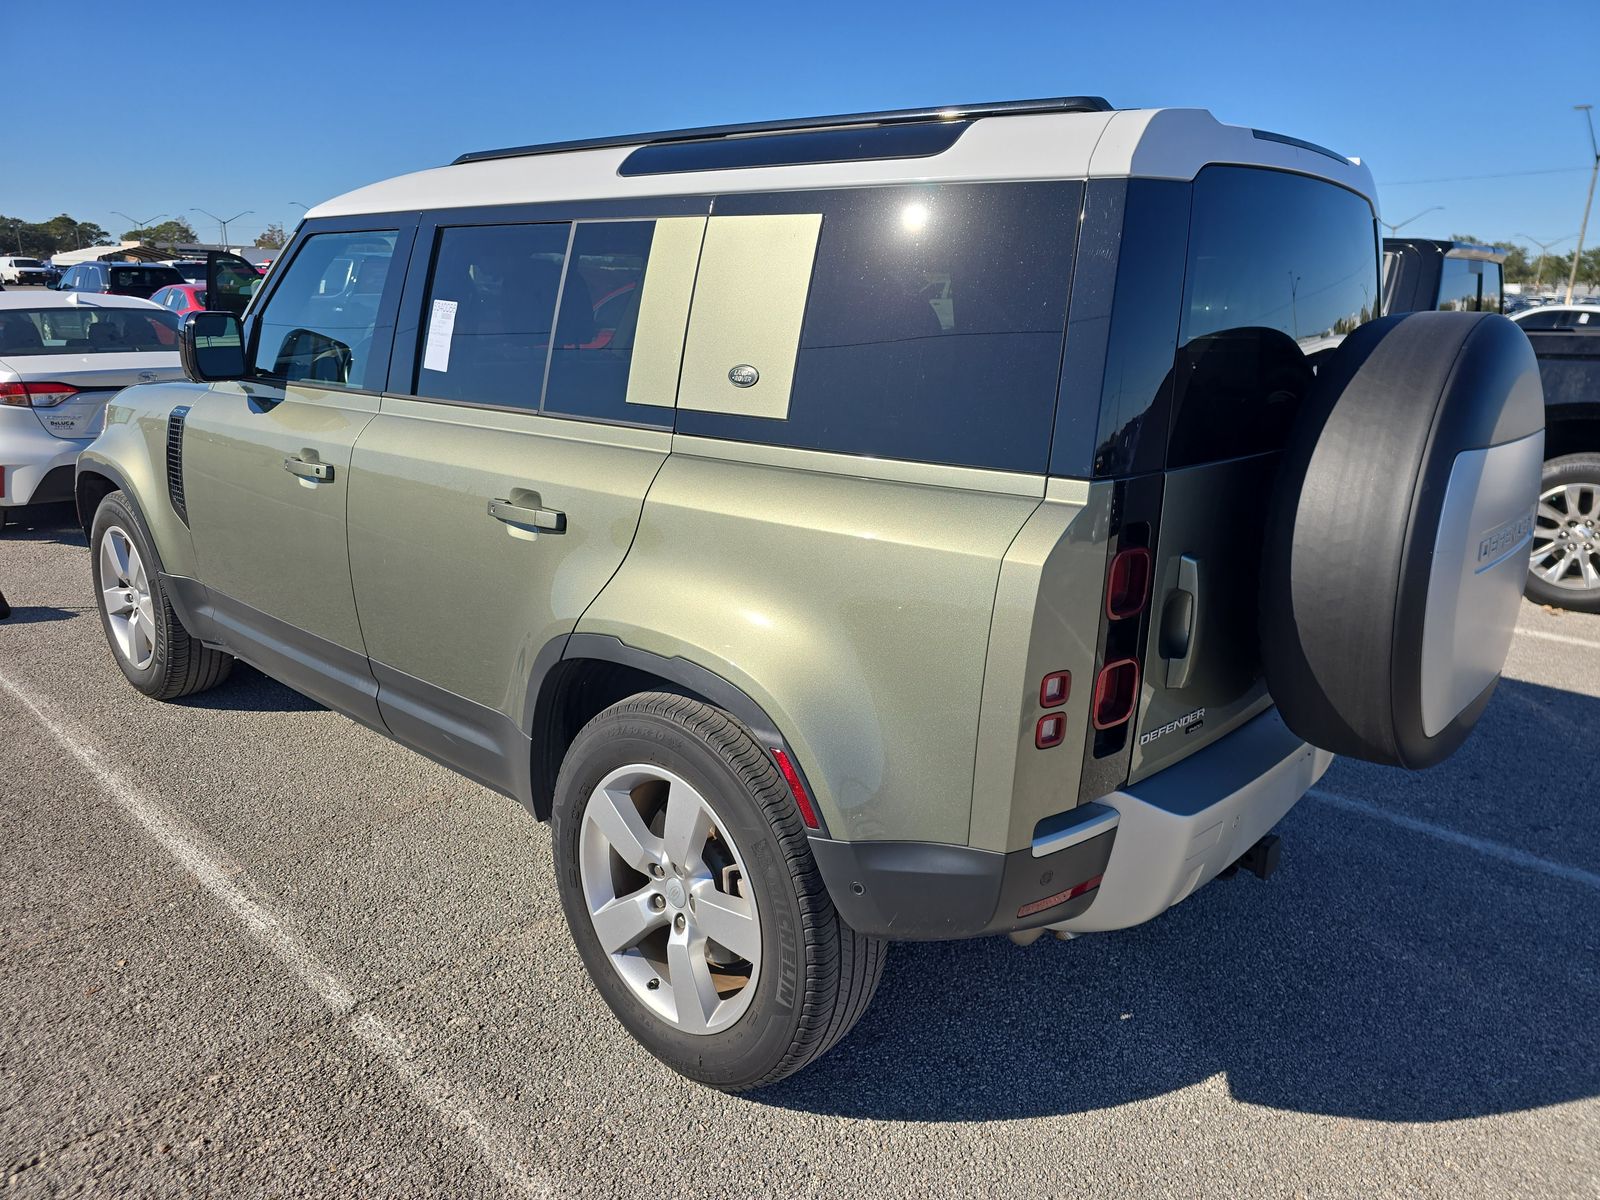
[[1469, 178]]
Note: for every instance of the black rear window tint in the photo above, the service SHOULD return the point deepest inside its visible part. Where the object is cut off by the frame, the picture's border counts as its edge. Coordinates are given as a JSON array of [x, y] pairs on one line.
[[933, 326]]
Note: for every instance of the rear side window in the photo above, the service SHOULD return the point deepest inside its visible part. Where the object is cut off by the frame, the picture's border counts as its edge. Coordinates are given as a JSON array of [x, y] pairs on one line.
[[1280, 268], [319, 324], [931, 331], [489, 314], [142, 281], [1469, 285]]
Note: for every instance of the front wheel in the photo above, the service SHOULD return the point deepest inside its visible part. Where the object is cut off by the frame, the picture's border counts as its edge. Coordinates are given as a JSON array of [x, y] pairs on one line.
[[150, 644], [694, 900], [1564, 570]]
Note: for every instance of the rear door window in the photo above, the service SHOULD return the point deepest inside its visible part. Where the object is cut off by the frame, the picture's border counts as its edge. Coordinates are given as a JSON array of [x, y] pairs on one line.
[[921, 323], [1281, 268], [321, 325], [490, 310]]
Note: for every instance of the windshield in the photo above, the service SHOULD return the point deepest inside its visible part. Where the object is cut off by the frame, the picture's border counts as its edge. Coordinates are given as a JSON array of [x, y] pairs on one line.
[[26, 262], [194, 272], [25, 331]]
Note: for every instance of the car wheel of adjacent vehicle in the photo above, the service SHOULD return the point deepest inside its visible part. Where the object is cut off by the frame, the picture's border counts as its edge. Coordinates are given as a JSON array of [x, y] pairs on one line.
[[694, 900], [150, 644], [1564, 570], [1395, 556]]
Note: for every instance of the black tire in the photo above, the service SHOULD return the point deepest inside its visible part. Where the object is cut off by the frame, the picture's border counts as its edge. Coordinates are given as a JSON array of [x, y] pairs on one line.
[[1581, 471], [817, 974], [181, 665], [1391, 573]]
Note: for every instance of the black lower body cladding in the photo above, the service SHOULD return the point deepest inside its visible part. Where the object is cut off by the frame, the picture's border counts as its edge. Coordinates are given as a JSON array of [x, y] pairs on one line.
[[1397, 539]]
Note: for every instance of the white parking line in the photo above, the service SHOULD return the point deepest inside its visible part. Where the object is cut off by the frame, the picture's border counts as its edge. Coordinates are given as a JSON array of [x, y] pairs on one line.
[[186, 848], [1566, 639], [1509, 854]]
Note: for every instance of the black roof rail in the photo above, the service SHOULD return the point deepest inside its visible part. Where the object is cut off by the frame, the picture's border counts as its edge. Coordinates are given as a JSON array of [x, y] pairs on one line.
[[897, 116]]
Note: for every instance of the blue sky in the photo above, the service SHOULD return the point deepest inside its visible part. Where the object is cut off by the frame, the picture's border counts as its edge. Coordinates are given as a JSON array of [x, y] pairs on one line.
[[312, 99]]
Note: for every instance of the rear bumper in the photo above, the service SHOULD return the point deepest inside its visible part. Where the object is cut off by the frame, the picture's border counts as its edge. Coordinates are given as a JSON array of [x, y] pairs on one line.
[[1182, 826], [29, 456], [1149, 845]]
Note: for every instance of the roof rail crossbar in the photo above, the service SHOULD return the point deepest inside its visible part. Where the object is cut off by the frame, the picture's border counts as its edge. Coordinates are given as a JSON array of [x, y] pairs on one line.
[[898, 116]]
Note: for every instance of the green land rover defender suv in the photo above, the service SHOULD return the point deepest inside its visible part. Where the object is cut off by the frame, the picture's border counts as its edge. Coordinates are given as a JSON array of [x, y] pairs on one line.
[[906, 525]]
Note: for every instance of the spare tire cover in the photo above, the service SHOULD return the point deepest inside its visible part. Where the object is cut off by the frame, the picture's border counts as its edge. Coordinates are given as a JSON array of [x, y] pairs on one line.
[[1398, 535]]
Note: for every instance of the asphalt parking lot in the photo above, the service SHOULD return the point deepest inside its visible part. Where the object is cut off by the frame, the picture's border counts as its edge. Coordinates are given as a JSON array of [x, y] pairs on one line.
[[251, 948]]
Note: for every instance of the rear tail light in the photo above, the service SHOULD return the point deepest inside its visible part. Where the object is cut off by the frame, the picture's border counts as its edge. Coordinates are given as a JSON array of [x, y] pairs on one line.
[[1115, 693], [1128, 589], [36, 395], [802, 800]]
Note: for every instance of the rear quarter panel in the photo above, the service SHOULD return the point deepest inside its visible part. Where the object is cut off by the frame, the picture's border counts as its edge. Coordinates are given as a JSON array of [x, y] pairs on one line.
[[854, 610]]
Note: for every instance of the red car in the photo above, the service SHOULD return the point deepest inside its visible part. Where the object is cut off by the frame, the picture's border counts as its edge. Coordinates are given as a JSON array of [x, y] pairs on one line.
[[182, 298]]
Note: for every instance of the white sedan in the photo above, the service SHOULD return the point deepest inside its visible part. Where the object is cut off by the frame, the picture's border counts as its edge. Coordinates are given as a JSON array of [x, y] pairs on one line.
[[1561, 318], [62, 357]]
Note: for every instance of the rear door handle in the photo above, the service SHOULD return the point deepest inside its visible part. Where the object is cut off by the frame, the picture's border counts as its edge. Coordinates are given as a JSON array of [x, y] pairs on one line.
[[1180, 624], [545, 519], [308, 470]]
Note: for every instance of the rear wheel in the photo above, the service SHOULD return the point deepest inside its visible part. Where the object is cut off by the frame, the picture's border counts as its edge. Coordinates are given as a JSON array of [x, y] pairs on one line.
[[150, 644], [693, 898], [1564, 570]]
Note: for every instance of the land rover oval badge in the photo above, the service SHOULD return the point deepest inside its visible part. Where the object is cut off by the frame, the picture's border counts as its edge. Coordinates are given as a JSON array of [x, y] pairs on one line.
[[744, 375]]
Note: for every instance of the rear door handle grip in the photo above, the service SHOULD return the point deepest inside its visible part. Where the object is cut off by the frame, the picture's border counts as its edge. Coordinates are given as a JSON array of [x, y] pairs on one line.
[[547, 520], [1183, 606], [308, 470]]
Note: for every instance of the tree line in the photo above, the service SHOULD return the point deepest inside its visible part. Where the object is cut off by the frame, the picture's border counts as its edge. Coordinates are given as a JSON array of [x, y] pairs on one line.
[[1522, 267], [41, 239]]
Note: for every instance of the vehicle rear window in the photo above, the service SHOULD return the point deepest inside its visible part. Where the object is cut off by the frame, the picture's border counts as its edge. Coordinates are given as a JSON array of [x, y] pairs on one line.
[[142, 281], [1469, 285], [36, 331], [932, 329], [1280, 268], [491, 306]]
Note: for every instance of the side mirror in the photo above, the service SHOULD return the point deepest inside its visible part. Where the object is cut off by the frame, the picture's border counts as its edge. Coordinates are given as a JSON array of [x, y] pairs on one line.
[[212, 347]]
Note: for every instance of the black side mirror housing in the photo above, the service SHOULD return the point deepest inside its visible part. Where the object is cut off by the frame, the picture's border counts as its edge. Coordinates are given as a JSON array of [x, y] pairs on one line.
[[212, 347]]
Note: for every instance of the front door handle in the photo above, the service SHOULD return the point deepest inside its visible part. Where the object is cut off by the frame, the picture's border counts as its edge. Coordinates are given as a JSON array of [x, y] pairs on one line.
[[308, 470], [547, 520]]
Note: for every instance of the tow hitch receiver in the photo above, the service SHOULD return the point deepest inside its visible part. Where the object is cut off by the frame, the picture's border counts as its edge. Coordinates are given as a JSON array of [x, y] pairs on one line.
[[1261, 860]]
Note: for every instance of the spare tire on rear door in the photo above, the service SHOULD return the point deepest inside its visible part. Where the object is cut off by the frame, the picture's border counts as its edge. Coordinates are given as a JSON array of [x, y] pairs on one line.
[[1398, 536]]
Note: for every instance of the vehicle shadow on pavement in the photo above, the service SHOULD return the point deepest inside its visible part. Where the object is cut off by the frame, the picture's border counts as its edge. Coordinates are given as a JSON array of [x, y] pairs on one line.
[[43, 523], [1384, 973], [248, 690]]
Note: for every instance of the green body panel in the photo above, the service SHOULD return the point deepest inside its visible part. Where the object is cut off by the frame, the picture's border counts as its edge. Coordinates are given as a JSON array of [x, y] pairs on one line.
[[265, 537], [1214, 514], [1046, 619], [855, 610], [453, 596], [133, 445]]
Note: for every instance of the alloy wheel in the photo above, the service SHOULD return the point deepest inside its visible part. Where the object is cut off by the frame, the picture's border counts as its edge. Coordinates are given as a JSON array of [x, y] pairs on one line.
[[125, 594], [1566, 537], [669, 898]]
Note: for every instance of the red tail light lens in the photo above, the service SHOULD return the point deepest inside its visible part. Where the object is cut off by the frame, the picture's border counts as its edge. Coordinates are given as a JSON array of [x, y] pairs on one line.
[[1116, 691], [1128, 589], [1054, 689], [36, 395], [1072, 893], [802, 801]]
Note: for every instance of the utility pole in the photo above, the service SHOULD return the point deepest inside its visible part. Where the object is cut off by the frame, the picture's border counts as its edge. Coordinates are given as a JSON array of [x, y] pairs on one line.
[[1572, 280]]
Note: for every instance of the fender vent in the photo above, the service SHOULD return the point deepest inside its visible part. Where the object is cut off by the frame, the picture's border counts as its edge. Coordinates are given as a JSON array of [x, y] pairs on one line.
[[175, 462]]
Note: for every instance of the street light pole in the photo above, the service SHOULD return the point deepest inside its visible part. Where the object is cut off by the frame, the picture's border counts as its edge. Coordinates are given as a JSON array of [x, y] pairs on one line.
[[224, 223], [138, 225], [1572, 280], [1544, 249], [1396, 228]]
